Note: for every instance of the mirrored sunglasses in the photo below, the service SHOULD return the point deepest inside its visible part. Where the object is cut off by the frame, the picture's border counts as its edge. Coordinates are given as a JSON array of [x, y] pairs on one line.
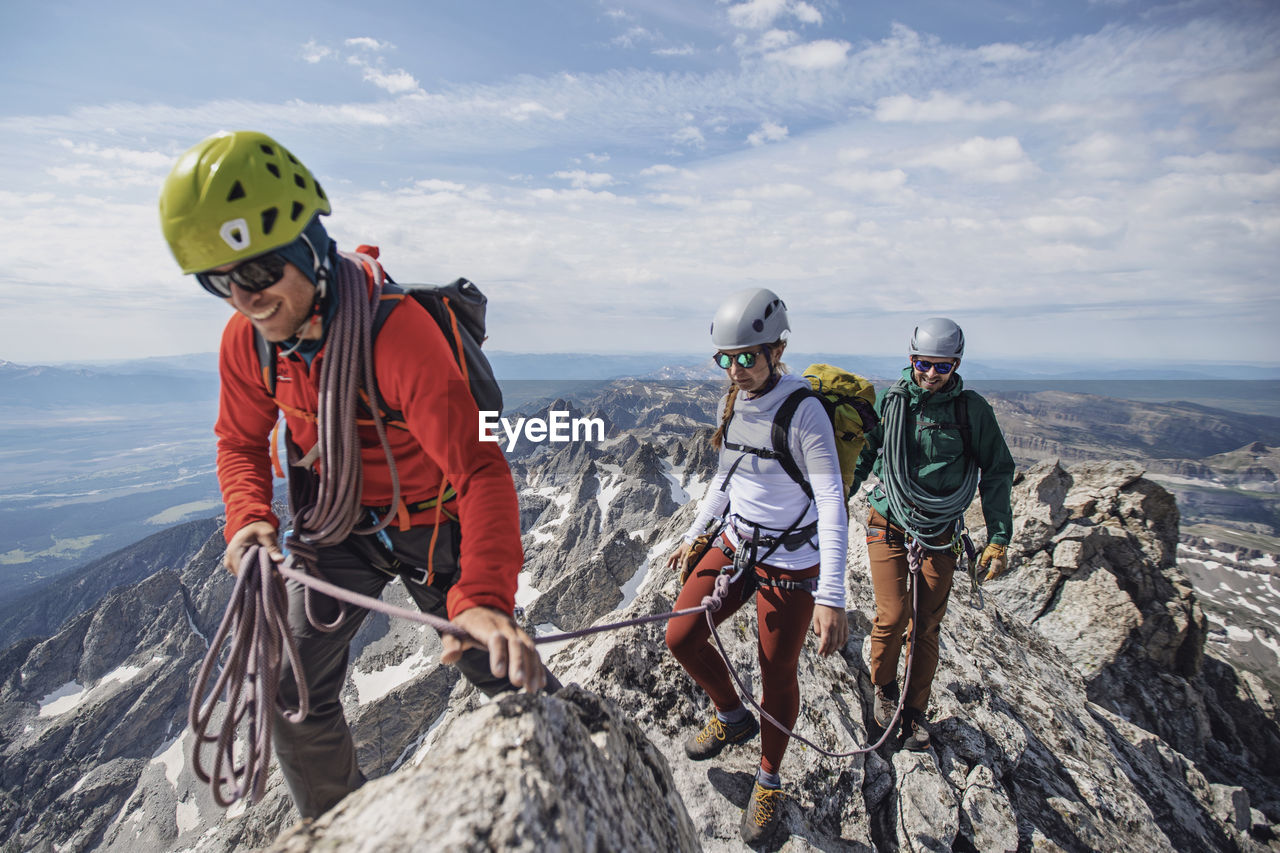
[[743, 359], [943, 367], [253, 275]]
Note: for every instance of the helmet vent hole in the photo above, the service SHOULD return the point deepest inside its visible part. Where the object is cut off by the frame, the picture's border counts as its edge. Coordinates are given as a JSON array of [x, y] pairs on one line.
[[273, 169], [300, 181], [237, 191], [768, 309], [267, 149], [319, 191], [292, 159], [757, 325], [269, 219], [298, 207]]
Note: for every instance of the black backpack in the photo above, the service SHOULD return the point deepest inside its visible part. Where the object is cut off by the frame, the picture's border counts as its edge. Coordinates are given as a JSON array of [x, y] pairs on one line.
[[457, 308]]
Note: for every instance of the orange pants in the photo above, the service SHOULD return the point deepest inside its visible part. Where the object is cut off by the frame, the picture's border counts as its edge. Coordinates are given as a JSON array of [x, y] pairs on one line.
[[782, 620], [887, 553]]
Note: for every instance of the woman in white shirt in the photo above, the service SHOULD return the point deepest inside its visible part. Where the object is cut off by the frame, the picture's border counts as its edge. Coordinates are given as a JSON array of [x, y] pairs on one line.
[[788, 545]]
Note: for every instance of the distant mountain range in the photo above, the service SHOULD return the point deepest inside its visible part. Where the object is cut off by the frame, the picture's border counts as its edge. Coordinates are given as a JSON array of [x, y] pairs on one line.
[[95, 457], [567, 365]]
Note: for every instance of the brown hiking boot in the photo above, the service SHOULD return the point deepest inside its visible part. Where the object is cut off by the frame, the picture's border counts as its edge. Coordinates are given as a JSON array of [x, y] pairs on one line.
[[886, 703], [761, 816], [715, 736], [915, 736]]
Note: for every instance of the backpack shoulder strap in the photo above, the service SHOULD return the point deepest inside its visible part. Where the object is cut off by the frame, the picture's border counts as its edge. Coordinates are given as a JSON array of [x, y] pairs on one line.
[[962, 423], [782, 427], [266, 361]]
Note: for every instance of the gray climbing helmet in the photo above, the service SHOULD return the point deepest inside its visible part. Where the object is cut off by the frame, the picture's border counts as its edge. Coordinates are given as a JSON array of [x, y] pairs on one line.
[[937, 337], [749, 317]]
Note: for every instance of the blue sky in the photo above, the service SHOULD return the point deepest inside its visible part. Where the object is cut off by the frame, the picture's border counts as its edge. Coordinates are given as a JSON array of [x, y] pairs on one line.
[[1068, 180]]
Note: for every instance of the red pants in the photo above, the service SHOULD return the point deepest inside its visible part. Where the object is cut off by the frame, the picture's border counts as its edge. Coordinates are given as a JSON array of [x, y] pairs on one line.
[[887, 553], [782, 619]]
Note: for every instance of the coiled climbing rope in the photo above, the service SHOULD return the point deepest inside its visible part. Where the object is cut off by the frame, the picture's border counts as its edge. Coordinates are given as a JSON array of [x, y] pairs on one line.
[[921, 514]]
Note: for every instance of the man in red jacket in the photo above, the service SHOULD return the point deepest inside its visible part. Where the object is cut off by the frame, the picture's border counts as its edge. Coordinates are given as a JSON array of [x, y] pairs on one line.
[[242, 213]]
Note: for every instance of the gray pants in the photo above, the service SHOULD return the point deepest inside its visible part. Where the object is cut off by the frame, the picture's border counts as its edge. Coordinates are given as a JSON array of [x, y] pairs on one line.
[[317, 755]]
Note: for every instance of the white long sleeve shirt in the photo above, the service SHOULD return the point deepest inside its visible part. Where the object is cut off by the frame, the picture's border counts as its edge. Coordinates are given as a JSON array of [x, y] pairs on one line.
[[760, 492]]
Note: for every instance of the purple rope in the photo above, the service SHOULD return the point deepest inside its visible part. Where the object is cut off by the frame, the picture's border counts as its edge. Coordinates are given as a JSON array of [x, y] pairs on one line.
[[257, 622], [710, 604]]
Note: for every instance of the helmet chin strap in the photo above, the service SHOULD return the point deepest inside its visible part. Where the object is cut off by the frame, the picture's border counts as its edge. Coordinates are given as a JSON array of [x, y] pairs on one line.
[[313, 317]]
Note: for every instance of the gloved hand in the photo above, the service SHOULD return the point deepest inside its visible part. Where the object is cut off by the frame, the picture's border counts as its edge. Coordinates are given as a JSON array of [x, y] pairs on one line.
[[994, 560]]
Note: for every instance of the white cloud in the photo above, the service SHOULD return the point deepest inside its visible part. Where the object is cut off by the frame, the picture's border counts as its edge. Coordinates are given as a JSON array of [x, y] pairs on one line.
[[659, 169], [853, 155], [1000, 160], [438, 186], [1155, 176], [939, 107], [366, 43], [1069, 228], [314, 52], [683, 50], [773, 192], [689, 136], [1002, 53], [526, 110], [581, 179], [396, 82], [869, 182], [814, 55], [1107, 155], [777, 40], [632, 37], [759, 14], [154, 160], [768, 132]]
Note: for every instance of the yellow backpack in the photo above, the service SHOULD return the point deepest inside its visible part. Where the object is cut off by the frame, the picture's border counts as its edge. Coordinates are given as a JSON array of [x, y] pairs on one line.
[[849, 400]]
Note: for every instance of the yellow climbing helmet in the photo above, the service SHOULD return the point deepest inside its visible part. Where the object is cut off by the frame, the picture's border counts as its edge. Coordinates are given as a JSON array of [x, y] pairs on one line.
[[233, 196]]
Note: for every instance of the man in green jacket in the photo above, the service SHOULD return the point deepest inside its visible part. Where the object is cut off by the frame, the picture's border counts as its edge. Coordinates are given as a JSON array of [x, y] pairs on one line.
[[935, 445]]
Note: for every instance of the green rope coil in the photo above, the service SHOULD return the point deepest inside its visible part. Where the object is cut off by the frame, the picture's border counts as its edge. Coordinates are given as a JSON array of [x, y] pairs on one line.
[[921, 514]]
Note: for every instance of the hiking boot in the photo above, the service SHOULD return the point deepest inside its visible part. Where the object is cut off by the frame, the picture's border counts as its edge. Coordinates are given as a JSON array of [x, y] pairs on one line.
[[886, 703], [761, 816], [915, 736], [716, 735]]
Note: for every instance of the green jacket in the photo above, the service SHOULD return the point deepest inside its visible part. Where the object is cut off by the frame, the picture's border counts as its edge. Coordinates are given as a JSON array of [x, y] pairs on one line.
[[937, 455]]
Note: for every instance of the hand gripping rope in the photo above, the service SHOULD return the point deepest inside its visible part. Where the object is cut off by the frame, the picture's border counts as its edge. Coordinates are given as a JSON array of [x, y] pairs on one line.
[[255, 629]]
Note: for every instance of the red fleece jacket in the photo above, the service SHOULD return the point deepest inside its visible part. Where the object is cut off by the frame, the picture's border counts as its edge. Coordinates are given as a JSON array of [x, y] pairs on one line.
[[416, 375]]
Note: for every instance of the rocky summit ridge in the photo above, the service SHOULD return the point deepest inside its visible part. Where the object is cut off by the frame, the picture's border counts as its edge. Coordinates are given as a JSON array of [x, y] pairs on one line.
[[1077, 705]]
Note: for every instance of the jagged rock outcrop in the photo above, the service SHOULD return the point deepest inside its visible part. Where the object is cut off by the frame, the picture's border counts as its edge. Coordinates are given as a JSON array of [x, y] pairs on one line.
[[1093, 569], [564, 772]]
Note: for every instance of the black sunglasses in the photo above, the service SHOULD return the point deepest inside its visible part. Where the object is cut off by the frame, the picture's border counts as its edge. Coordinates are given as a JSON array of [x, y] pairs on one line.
[[943, 367], [253, 275], [744, 359]]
